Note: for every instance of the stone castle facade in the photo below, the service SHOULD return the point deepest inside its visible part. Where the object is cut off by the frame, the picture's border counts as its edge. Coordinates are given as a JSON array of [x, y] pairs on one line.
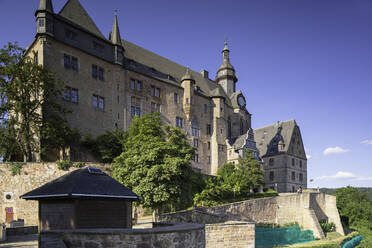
[[110, 80]]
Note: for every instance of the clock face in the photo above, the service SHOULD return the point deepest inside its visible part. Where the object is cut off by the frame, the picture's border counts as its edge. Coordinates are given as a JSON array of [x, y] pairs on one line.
[[241, 101]]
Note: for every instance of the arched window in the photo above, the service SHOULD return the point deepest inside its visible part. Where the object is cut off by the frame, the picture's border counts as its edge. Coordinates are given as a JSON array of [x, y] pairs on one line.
[[229, 127], [241, 127]]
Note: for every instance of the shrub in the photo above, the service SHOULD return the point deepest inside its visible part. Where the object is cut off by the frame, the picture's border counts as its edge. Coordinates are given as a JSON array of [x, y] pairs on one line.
[[79, 164], [327, 227], [64, 164], [15, 167]]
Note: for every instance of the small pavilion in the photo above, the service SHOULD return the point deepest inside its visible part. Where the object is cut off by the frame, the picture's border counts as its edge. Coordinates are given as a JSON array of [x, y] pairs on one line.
[[84, 198]]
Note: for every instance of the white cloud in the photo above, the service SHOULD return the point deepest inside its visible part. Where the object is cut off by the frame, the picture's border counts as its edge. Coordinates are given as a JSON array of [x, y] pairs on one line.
[[334, 150], [308, 156], [367, 142], [345, 175]]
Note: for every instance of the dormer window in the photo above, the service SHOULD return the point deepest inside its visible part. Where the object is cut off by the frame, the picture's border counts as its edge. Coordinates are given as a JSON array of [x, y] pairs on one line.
[[41, 22]]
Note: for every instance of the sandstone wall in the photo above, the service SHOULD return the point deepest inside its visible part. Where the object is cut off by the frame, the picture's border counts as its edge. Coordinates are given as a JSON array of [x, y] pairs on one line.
[[306, 209], [182, 235], [32, 175], [230, 234]]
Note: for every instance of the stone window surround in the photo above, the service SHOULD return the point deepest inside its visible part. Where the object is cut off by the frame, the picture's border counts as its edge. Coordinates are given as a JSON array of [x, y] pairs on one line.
[[71, 95], [98, 102]]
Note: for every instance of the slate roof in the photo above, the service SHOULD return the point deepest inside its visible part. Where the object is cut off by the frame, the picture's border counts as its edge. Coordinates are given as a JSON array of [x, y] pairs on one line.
[[74, 12], [142, 60], [264, 135], [177, 71], [82, 183]]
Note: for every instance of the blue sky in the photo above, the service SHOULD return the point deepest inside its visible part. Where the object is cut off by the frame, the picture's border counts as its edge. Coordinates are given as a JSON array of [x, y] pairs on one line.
[[307, 60]]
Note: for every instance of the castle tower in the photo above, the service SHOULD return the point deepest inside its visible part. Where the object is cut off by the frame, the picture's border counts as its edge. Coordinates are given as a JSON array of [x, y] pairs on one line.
[[44, 17], [116, 41], [226, 73], [188, 82]]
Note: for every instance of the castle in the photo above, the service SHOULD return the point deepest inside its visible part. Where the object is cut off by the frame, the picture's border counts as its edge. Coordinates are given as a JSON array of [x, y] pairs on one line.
[[109, 81]]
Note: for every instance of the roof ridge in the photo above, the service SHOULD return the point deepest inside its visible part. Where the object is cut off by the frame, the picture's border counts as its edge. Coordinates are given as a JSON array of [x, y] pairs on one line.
[[287, 121]]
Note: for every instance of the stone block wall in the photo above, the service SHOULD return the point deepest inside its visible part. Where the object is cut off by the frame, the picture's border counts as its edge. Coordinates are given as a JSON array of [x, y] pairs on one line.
[[32, 175], [180, 236], [230, 234], [192, 216]]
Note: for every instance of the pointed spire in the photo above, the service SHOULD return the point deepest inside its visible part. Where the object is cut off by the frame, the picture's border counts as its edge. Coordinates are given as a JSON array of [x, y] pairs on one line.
[[187, 76], [115, 34], [225, 48], [45, 5]]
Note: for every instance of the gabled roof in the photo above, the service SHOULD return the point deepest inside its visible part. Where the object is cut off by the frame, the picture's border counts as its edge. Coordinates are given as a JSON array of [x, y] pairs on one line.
[[265, 135], [82, 183], [164, 65], [74, 12]]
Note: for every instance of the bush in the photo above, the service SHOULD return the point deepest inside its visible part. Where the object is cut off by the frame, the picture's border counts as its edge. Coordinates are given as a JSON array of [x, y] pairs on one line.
[[327, 227], [64, 164], [15, 167], [79, 164]]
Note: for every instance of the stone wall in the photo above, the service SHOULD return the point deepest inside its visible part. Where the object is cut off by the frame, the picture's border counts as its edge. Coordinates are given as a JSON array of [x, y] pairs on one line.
[[234, 234], [192, 216], [180, 235], [32, 175], [306, 209]]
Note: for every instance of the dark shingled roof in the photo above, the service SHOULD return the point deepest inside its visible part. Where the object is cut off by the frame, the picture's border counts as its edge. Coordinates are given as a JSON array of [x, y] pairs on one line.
[[74, 12], [264, 135], [82, 183]]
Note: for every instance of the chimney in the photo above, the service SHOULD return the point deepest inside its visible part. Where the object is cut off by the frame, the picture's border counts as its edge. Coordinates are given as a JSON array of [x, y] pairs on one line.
[[205, 74]]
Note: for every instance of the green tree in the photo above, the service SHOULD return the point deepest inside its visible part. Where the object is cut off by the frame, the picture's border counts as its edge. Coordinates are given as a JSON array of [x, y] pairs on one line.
[[355, 209], [106, 146], [155, 163], [232, 181], [26, 91]]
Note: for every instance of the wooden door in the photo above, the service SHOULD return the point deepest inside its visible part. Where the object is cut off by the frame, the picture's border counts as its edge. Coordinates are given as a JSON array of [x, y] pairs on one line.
[[9, 214]]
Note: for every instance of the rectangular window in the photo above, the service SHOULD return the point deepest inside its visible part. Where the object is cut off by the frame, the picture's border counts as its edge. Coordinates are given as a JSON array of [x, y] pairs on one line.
[[101, 73], [301, 177], [293, 161], [205, 108], [139, 86], [118, 98], [138, 111], [196, 143], [195, 131], [152, 91], [98, 102], [94, 71], [132, 111], [293, 176], [67, 61], [41, 22], [209, 129], [187, 100], [157, 92], [179, 122], [271, 176], [191, 101], [71, 95], [74, 64], [132, 84], [300, 163], [36, 58], [271, 161], [196, 158], [209, 145], [175, 98]]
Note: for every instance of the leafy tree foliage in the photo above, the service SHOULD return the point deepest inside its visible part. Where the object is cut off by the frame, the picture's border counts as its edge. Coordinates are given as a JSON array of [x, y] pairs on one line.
[[107, 146], [232, 182], [355, 209], [26, 90], [155, 163]]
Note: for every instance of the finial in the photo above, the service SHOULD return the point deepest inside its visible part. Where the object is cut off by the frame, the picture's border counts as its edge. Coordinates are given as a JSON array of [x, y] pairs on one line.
[[115, 12], [226, 47]]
